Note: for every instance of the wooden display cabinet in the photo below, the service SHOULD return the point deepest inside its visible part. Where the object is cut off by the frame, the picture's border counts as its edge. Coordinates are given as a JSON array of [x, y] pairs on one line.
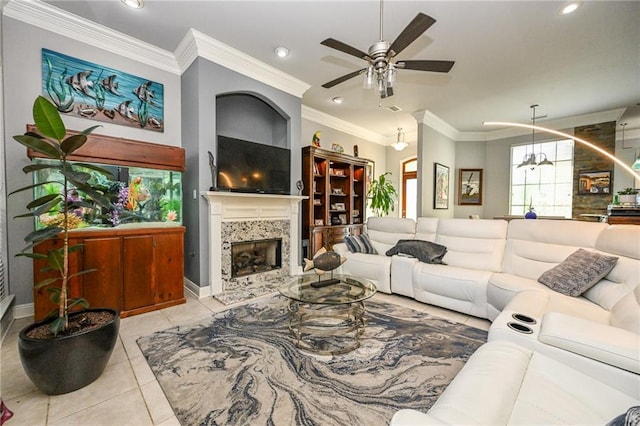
[[336, 186], [137, 270]]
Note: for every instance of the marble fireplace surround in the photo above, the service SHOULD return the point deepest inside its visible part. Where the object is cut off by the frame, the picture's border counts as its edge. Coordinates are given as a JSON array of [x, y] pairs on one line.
[[235, 217]]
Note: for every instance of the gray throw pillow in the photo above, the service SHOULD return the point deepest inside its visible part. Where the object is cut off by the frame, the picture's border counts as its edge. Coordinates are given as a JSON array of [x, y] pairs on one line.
[[424, 251], [578, 272], [359, 244], [630, 418]]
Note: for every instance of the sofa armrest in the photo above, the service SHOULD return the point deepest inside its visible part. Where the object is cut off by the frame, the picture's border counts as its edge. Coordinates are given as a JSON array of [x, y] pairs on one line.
[[340, 248], [604, 343]]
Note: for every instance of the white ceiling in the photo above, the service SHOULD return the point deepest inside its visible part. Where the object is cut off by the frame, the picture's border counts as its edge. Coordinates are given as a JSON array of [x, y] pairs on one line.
[[508, 54]]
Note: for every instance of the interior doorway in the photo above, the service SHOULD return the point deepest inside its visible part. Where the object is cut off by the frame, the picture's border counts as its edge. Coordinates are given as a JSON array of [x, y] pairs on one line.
[[410, 188]]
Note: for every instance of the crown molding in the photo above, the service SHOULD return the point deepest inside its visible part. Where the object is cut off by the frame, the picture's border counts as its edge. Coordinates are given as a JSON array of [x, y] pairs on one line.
[[196, 44], [325, 119], [50, 18], [436, 123]]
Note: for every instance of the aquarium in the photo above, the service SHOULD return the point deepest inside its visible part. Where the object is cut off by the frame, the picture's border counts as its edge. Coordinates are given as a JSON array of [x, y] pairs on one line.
[[138, 195]]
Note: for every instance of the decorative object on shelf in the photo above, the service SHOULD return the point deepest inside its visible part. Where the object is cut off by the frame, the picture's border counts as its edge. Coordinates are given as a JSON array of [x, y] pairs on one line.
[[299, 186], [315, 140], [318, 222], [101, 93], [337, 191], [336, 147], [355, 150], [531, 160], [343, 219], [440, 186], [470, 187], [214, 172], [382, 64], [335, 220], [399, 144], [594, 182], [315, 168], [382, 195], [355, 213], [531, 214], [340, 206], [53, 352], [628, 196], [317, 202]]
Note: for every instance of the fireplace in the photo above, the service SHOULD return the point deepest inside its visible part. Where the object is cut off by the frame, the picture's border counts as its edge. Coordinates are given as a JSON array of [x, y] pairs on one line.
[[238, 218], [254, 257]]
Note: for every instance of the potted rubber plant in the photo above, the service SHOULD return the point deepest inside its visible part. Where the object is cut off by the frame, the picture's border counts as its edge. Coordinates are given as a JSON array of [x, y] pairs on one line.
[[382, 195], [71, 347]]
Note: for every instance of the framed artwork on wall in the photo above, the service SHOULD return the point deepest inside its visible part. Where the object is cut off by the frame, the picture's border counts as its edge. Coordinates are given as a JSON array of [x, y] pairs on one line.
[[594, 182], [84, 89], [440, 186], [470, 187]]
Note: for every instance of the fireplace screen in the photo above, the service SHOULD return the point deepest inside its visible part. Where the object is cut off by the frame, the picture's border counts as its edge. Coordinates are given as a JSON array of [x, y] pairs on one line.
[[252, 257]]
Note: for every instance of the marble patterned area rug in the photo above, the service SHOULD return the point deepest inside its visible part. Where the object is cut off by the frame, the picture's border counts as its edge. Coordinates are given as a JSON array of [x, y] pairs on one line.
[[241, 367]]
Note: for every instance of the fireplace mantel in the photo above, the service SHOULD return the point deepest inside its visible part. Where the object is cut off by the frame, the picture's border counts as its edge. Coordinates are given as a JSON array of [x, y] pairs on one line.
[[240, 207]]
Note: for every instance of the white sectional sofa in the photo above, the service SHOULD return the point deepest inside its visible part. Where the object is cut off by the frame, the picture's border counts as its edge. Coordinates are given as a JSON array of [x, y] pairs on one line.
[[491, 269]]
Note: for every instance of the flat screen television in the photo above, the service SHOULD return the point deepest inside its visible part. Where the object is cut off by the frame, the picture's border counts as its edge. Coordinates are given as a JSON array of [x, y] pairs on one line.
[[245, 166]]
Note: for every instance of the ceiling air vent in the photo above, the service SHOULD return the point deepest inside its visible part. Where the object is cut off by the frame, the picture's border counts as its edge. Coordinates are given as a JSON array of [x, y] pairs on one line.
[[394, 108]]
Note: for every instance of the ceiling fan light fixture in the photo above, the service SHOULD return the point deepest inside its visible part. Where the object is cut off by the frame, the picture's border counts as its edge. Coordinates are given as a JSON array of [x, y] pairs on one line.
[[368, 78]]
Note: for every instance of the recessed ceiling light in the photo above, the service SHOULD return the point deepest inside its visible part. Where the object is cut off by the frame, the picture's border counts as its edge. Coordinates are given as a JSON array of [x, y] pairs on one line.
[[136, 4], [282, 52], [571, 7], [337, 100]]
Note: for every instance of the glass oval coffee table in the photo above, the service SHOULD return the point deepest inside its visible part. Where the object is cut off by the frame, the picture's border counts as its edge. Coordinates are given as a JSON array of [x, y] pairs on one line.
[[327, 319]]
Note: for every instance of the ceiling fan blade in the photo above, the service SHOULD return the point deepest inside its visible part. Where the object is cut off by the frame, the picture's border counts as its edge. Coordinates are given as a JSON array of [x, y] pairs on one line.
[[419, 25], [338, 45], [343, 78], [433, 66]]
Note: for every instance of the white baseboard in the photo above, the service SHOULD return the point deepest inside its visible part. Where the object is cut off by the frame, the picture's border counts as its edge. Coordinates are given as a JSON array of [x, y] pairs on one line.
[[26, 310], [23, 311], [196, 290]]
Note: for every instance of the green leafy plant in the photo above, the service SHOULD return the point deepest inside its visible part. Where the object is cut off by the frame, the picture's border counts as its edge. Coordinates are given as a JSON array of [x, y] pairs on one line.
[[382, 195], [52, 142], [628, 191]]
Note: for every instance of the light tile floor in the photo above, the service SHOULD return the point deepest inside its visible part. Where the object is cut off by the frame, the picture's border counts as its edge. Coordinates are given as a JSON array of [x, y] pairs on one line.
[[127, 393]]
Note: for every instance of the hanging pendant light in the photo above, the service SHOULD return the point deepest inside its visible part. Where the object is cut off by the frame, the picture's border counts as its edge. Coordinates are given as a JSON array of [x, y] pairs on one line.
[[530, 160], [399, 144], [636, 164]]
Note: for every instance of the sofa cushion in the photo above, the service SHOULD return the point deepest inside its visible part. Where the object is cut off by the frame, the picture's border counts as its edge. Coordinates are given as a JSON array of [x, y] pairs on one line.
[[534, 246], [384, 232], [626, 313], [473, 244], [424, 251], [359, 244], [426, 228], [578, 272]]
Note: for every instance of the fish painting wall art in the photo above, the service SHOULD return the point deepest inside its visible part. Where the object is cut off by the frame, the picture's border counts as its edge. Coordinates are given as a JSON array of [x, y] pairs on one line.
[[101, 93]]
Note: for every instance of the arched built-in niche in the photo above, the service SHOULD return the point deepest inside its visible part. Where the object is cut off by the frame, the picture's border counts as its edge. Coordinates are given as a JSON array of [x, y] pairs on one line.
[[250, 117]]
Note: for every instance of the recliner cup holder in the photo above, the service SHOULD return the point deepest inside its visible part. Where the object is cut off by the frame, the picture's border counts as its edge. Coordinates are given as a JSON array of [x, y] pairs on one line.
[[524, 318], [520, 328]]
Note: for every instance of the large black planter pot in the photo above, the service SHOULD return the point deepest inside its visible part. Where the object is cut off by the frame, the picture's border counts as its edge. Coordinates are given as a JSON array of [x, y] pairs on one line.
[[68, 363]]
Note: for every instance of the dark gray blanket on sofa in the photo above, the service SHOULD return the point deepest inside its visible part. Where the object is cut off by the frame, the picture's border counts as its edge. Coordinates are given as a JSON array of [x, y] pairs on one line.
[[425, 251]]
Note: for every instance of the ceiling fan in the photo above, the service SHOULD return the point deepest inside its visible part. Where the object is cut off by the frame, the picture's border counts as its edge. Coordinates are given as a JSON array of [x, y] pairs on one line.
[[382, 64]]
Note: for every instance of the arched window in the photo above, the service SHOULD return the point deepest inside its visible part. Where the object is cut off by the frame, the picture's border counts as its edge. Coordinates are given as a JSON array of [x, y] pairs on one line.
[[410, 188]]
